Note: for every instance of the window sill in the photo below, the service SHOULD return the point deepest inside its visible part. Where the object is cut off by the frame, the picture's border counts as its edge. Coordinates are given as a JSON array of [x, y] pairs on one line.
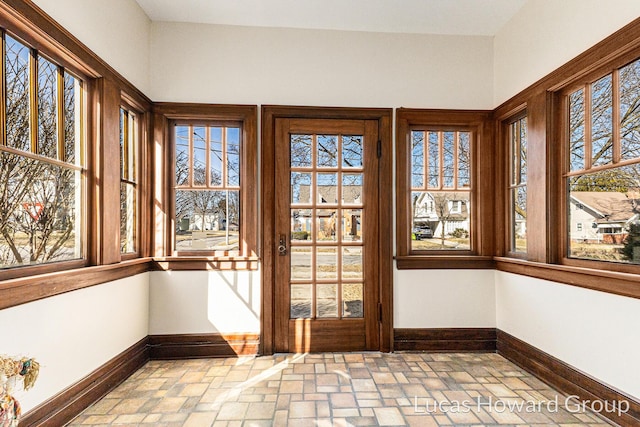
[[613, 282], [22, 290], [204, 263], [474, 262]]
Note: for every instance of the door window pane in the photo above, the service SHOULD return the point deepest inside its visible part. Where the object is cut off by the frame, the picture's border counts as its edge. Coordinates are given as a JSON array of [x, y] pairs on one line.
[[352, 301], [301, 301], [326, 300], [352, 151], [327, 150], [326, 262]]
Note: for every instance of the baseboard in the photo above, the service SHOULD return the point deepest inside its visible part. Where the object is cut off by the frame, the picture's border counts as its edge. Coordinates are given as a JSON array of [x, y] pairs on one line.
[[445, 339], [70, 402], [566, 378], [189, 346], [66, 405]]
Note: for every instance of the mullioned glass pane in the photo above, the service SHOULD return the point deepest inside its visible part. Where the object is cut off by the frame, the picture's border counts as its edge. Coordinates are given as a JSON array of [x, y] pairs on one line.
[[17, 94], [630, 111], [182, 155], [602, 121], [199, 156], [47, 108], [576, 131], [417, 159]]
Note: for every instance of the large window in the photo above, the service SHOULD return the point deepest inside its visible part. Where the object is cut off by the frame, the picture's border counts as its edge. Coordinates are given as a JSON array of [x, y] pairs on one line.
[[41, 160], [129, 194], [440, 189], [517, 185], [603, 168], [207, 187]]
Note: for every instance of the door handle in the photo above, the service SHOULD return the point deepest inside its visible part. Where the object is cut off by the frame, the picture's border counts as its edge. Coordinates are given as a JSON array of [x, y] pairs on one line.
[[282, 245]]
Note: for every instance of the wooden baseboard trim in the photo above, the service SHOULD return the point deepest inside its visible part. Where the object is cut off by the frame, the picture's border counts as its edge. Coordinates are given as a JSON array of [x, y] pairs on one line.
[[566, 378], [189, 346], [445, 339], [70, 402]]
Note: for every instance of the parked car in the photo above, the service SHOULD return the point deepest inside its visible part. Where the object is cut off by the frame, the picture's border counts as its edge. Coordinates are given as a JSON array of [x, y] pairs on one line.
[[422, 231]]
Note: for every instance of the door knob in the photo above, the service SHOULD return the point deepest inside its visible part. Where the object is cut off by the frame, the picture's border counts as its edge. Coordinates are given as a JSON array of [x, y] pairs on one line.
[[282, 245]]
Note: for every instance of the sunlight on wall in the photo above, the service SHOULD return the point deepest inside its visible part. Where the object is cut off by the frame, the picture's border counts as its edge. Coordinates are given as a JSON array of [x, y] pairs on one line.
[[192, 302]]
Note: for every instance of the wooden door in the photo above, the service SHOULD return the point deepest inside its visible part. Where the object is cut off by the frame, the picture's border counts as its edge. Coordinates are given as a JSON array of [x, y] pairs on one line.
[[326, 225]]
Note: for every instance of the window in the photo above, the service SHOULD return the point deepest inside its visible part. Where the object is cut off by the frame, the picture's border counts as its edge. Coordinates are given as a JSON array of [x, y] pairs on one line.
[[440, 189], [41, 159], [517, 185], [207, 187], [440, 211], [603, 167], [129, 137]]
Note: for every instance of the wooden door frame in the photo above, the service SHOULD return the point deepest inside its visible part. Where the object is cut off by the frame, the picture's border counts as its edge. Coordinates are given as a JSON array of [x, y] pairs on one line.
[[385, 212]]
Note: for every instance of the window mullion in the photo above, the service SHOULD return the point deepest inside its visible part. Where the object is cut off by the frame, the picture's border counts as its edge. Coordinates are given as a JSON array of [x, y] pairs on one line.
[[587, 128], [615, 116], [440, 160], [3, 90], [191, 160], [223, 158], [425, 160], [517, 153], [456, 165], [207, 155], [33, 100], [60, 113]]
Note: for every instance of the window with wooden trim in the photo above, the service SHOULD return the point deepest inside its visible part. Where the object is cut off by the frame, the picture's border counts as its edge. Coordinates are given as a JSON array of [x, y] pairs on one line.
[[440, 190], [129, 192], [517, 185], [207, 187], [444, 210], [603, 168], [41, 159]]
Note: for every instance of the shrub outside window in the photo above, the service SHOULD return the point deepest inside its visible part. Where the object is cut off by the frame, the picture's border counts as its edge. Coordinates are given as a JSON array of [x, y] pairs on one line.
[[603, 170], [41, 167]]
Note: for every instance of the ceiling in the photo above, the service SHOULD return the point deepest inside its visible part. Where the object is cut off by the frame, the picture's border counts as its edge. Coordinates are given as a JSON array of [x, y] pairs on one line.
[[460, 17]]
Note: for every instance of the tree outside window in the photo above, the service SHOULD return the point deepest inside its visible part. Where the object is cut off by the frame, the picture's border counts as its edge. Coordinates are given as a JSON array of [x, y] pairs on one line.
[[40, 165], [603, 177], [207, 187], [440, 190]]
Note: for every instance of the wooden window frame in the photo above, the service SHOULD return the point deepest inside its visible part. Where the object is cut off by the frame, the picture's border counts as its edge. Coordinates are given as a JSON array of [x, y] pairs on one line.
[[547, 132], [505, 138], [480, 125], [102, 92], [561, 111], [166, 114], [81, 164], [131, 106]]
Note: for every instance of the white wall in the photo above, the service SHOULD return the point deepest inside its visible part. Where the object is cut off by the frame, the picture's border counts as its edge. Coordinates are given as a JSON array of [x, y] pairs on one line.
[[117, 31], [444, 299], [199, 302], [593, 331], [229, 64], [73, 334], [546, 34]]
